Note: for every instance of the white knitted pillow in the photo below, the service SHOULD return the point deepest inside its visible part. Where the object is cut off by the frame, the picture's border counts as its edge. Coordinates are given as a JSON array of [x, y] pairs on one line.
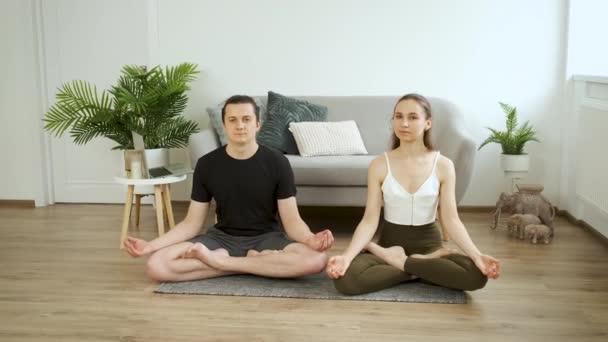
[[327, 138]]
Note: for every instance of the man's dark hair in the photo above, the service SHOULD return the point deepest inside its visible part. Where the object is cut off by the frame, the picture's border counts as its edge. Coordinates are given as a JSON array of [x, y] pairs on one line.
[[238, 99]]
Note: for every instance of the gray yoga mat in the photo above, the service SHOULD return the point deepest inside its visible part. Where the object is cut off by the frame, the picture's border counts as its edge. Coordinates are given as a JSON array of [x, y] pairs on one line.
[[316, 286]]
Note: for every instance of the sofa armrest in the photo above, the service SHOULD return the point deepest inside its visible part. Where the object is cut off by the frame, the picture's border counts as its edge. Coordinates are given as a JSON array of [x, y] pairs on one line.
[[466, 153], [202, 143], [456, 144]]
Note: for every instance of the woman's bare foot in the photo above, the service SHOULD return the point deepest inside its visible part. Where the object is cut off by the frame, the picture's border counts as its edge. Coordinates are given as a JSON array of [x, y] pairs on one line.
[[394, 256], [443, 251], [212, 258]]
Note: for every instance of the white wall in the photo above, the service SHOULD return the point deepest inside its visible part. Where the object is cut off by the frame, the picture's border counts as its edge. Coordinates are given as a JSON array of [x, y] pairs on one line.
[[587, 30], [22, 173], [473, 52]]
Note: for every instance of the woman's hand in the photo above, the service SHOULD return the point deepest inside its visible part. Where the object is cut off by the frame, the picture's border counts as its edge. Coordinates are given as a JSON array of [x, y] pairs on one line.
[[488, 266], [337, 266]]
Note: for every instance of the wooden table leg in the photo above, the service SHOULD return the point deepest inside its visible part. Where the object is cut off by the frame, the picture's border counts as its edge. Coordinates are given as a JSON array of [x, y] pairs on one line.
[[158, 198], [165, 209], [137, 207], [168, 207], [126, 215]]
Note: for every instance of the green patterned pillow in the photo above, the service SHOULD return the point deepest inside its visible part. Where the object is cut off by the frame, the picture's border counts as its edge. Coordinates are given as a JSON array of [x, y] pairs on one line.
[[282, 111], [215, 118]]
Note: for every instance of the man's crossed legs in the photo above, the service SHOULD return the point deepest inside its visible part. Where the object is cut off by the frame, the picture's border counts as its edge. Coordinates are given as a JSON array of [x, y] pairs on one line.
[[216, 253]]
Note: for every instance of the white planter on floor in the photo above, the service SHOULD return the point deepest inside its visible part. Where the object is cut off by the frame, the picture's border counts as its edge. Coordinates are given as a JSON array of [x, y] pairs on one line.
[[515, 168], [515, 162]]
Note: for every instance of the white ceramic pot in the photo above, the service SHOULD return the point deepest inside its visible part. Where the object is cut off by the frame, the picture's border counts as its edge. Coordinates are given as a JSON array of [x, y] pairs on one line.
[[515, 162], [154, 158], [157, 157]]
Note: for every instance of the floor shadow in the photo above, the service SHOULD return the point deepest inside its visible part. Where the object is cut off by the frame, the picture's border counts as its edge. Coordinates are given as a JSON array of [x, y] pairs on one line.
[[338, 219]]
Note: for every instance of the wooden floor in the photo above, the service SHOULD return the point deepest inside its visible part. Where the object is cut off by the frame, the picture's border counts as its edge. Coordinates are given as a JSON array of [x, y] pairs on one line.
[[62, 278]]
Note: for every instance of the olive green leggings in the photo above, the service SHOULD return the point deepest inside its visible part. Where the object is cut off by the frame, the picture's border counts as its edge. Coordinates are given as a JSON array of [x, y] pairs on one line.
[[368, 273]]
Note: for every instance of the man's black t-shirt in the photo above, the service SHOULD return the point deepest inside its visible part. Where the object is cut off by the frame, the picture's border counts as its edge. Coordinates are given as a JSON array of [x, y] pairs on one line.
[[245, 190]]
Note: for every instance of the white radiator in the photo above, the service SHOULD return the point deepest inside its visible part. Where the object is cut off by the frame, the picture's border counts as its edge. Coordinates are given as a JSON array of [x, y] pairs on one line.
[[592, 147]]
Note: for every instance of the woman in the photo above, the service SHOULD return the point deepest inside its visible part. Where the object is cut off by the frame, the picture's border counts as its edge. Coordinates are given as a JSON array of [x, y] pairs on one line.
[[411, 181]]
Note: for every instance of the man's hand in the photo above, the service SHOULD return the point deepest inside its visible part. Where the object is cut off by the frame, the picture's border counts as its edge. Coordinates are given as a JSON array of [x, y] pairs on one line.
[[137, 247], [337, 266], [321, 241], [488, 266]]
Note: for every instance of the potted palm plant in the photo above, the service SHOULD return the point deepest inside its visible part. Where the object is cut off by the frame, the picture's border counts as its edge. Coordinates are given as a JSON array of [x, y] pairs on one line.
[[512, 141], [147, 102]]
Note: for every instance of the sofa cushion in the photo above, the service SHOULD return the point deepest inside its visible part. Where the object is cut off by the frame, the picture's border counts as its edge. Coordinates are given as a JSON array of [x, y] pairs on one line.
[[331, 170], [327, 138], [215, 118], [283, 110]]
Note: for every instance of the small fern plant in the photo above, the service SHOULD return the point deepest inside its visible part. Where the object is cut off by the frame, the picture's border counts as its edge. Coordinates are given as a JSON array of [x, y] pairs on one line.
[[515, 137], [148, 102]]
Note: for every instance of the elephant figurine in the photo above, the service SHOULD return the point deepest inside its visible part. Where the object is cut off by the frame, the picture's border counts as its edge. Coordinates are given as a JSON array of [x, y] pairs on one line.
[[518, 222], [525, 203], [537, 232]]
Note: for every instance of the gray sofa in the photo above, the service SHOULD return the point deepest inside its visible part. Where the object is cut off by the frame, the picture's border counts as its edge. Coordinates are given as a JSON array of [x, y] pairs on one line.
[[342, 180]]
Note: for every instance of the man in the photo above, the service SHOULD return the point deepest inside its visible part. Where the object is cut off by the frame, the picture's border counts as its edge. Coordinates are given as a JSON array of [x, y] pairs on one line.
[[249, 183]]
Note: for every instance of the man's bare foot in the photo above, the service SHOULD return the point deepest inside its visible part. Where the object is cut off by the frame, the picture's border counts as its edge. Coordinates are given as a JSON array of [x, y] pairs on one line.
[[441, 252], [212, 258], [394, 256], [253, 252]]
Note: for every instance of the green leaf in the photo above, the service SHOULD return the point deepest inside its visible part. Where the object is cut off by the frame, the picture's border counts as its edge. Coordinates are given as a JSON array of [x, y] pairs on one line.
[[514, 138], [149, 101]]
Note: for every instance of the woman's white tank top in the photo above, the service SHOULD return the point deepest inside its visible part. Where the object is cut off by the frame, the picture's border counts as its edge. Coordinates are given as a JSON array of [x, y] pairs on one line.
[[402, 207]]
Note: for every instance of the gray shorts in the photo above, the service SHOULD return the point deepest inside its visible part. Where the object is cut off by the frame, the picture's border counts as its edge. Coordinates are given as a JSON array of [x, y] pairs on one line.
[[239, 245]]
